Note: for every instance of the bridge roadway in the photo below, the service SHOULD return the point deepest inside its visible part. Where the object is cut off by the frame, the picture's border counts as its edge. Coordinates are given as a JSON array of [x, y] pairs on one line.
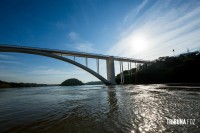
[[59, 54]]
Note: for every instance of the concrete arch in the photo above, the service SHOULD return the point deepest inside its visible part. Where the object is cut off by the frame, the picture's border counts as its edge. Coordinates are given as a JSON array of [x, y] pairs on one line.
[[52, 55]]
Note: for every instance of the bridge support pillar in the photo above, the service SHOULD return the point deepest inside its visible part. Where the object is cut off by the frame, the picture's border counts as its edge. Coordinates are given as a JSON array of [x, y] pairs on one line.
[[111, 70]]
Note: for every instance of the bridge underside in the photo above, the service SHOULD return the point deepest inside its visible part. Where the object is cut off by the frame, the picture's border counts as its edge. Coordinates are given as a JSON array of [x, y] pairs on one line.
[[59, 54], [110, 62]]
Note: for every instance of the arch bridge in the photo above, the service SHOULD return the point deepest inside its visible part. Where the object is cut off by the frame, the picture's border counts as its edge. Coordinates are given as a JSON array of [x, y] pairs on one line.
[[61, 55]]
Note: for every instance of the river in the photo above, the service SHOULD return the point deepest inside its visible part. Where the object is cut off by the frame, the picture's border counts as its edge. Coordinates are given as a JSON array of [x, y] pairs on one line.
[[99, 109]]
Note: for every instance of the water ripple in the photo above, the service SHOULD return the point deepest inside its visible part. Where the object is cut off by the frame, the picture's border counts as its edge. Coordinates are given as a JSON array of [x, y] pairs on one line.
[[90, 109]]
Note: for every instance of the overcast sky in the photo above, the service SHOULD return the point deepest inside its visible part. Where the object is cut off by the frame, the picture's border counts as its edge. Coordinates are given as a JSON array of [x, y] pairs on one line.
[[143, 29]]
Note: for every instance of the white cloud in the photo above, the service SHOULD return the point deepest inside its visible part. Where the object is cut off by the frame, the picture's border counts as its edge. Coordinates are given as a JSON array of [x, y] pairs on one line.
[[81, 45], [135, 11], [3, 56], [48, 71], [161, 28], [85, 47], [8, 59], [73, 36], [9, 62], [44, 74], [58, 76]]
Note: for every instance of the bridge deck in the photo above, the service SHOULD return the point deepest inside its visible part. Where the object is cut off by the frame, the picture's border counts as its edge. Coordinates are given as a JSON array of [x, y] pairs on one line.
[[74, 53]]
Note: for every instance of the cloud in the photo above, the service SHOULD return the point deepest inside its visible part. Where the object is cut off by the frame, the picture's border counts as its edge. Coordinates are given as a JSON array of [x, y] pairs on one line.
[[80, 44], [9, 62], [73, 36], [161, 27], [48, 71], [3, 56], [8, 59], [85, 47], [43, 74], [2, 66], [135, 11], [45, 70]]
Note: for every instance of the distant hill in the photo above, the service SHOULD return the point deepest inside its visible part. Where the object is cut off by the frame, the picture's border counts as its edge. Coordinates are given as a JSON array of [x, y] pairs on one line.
[[71, 82], [94, 83], [4, 84]]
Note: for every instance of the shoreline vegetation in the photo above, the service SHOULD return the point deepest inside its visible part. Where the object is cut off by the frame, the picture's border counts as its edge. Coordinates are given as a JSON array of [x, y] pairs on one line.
[[21, 85], [180, 70], [4, 84], [69, 82]]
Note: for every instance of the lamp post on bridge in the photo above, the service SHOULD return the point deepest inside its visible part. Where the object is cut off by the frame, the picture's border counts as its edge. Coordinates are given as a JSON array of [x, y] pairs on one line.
[[174, 52]]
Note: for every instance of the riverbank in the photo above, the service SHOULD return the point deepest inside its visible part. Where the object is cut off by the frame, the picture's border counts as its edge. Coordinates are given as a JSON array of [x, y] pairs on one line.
[[4, 84], [182, 69], [183, 84]]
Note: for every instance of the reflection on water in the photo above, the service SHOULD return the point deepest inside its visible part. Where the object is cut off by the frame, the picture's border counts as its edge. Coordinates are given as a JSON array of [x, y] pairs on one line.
[[129, 108]]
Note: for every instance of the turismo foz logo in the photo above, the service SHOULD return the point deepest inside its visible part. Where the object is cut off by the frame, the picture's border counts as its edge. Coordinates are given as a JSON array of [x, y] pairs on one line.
[[180, 121]]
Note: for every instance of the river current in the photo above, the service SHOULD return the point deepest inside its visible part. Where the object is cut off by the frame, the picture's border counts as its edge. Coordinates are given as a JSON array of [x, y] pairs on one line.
[[99, 109]]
